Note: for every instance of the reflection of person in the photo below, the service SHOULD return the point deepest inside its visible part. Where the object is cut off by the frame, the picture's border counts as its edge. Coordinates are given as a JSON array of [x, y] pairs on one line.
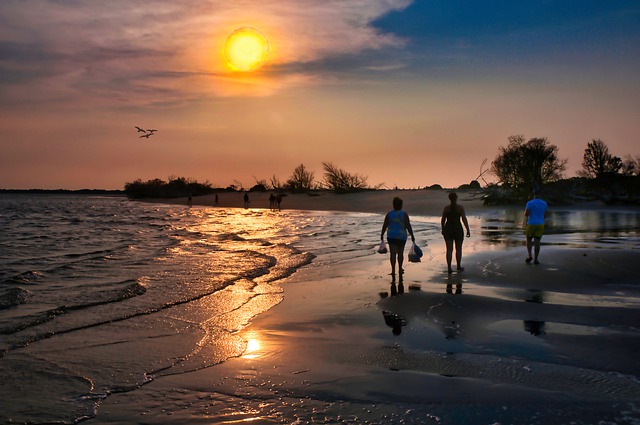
[[398, 224], [451, 280], [452, 230], [394, 321], [397, 290], [535, 212]]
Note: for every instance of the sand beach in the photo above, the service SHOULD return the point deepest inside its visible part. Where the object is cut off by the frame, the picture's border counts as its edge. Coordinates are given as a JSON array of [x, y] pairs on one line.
[[503, 342]]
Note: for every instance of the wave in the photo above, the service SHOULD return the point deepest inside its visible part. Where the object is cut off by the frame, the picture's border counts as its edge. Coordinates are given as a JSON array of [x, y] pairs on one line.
[[12, 297], [17, 296]]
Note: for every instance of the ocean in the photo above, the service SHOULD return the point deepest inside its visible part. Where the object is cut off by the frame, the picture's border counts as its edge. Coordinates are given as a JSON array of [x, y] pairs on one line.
[[89, 285], [101, 295]]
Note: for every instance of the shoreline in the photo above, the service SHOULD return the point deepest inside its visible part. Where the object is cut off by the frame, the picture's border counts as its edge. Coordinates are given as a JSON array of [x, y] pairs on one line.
[[416, 202]]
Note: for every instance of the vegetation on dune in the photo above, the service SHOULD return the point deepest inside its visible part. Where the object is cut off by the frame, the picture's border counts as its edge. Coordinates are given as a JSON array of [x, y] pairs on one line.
[[519, 167], [174, 188], [522, 166]]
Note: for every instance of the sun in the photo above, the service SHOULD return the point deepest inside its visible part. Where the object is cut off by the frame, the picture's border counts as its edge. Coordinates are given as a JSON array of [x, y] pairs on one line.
[[246, 49]]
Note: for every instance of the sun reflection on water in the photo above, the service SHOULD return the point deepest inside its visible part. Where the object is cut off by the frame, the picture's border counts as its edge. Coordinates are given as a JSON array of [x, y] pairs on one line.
[[254, 347]]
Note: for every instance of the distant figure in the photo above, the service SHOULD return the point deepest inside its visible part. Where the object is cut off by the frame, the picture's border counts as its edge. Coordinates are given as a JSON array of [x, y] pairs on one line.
[[398, 224], [279, 201], [215, 201], [189, 200], [272, 202], [246, 199], [535, 212], [452, 230]]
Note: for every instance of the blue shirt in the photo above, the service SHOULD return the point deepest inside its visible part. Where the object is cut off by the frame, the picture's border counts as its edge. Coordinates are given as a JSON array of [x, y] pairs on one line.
[[397, 229], [537, 208]]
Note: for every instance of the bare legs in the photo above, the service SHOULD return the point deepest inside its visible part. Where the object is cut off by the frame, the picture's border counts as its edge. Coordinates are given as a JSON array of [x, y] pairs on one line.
[[396, 254], [535, 244], [458, 244]]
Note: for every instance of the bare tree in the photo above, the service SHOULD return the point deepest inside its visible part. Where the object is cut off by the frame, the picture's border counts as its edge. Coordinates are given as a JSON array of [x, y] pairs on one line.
[[301, 180], [597, 161], [276, 184], [342, 181]]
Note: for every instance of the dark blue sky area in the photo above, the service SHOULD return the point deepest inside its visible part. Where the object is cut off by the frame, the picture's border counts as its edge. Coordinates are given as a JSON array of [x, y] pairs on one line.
[[463, 18]]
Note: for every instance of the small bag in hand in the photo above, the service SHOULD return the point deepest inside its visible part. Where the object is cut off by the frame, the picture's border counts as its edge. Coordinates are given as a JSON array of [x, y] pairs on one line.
[[382, 249], [415, 253]]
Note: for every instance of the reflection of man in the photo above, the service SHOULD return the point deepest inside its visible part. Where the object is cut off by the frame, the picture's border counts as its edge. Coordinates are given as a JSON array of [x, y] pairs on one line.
[[535, 212]]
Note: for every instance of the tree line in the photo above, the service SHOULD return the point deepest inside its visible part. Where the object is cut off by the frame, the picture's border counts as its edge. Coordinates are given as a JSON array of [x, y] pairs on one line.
[[523, 165], [519, 167], [302, 180]]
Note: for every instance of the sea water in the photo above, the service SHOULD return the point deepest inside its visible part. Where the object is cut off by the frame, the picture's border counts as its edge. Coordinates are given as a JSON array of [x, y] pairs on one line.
[[100, 295]]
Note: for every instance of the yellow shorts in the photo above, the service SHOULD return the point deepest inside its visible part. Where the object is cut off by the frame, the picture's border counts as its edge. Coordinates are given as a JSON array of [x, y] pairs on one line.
[[534, 230]]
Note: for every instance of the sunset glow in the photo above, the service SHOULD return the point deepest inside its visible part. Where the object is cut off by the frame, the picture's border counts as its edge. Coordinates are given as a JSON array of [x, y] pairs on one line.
[[407, 93]]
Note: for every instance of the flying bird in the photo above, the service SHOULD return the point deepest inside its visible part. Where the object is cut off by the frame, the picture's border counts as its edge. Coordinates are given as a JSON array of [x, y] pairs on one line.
[[152, 130], [146, 135], [140, 130]]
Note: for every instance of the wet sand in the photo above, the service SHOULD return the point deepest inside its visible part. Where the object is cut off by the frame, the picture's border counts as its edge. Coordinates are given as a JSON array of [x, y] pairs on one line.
[[502, 342]]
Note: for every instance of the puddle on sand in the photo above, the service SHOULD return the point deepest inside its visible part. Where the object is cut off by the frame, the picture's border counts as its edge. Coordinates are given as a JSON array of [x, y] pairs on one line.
[[620, 299]]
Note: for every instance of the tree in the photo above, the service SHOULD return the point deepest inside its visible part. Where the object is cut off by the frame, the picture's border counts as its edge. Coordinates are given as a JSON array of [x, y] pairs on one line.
[[301, 180], [525, 164], [342, 181], [276, 184], [597, 161], [631, 166]]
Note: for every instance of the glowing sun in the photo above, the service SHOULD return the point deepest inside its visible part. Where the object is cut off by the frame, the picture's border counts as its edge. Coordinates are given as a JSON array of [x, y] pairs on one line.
[[246, 49]]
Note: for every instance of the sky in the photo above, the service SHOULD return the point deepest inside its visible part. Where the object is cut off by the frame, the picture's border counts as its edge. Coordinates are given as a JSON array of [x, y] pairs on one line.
[[406, 93]]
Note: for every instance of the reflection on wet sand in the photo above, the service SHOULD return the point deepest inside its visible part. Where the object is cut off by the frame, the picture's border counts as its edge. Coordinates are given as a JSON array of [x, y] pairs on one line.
[[454, 280]]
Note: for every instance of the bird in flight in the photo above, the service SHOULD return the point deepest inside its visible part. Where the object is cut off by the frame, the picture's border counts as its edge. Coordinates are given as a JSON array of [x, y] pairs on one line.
[[146, 133]]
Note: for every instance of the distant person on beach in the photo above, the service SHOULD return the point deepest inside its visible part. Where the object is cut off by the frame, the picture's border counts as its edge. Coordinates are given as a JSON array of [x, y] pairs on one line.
[[246, 200], [398, 224], [215, 202], [279, 200], [272, 202], [452, 230], [535, 213], [189, 200]]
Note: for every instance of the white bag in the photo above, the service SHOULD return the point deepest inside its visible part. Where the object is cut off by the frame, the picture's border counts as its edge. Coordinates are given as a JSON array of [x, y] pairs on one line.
[[382, 249], [415, 253]]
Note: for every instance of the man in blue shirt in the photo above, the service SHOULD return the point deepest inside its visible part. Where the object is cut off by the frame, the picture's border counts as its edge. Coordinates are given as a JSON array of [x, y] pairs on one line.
[[535, 213]]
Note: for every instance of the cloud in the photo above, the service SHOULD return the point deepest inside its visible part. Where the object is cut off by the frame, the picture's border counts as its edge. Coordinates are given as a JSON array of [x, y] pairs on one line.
[[146, 52]]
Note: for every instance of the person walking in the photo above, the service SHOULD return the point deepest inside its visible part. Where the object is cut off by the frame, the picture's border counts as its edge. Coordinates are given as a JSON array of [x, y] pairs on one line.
[[397, 224], [452, 230], [246, 200], [535, 213]]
